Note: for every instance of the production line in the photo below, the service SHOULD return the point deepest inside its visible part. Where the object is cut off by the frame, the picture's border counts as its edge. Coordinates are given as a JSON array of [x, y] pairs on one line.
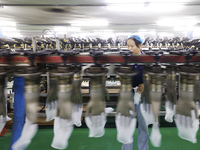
[[171, 72]]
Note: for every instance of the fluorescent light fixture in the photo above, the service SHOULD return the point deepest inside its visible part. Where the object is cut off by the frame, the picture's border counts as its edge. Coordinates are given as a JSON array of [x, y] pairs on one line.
[[103, 31], [13, 34], [9, 29], [150, 7], [143, 1], [165, 34], [183, 28], [164, 7], [122, 1], [177, 22], [66, 29], [10, 32], [126, 8], [196, 32], [90, 23], [7, 23], [123, 33], [49, 36]]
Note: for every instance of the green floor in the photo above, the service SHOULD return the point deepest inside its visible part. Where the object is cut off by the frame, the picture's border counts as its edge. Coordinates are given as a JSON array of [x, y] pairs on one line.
[[80, 141]]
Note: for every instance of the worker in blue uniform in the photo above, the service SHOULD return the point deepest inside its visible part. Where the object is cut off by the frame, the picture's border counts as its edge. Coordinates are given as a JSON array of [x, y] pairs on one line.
[[134, 43]]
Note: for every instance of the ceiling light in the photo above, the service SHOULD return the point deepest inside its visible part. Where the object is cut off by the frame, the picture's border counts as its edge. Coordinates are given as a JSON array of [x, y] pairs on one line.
[[9, 29], [165, 34], [126, 8], [7, 23], [177, 22], [66, 29], [90, 23], [13, 34], [146, 7], [143, 1], [122, 33]]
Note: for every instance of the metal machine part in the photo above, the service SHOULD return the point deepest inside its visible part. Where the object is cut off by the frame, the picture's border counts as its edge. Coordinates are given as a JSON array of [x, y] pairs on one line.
[[52, 98], [125, 97], [65, 88], [31, 91], [3, 95], [187, 117], [77, 95], [96, 105], [189, 90], [171, 84], [171, 93], [156, 75]]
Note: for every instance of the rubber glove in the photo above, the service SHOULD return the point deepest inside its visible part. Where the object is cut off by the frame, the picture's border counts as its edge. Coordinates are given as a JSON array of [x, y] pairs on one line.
[[3, 121], [108, 110], [198, 108], [147, 113], [51, 110], [187, 126], [155, 135], [170, 111], [96, 125], [28, 132], [77, 114], [125, 128], [62, 132], [52, 99]]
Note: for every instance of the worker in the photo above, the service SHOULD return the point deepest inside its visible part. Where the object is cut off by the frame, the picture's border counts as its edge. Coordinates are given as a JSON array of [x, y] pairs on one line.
[[134, 43]]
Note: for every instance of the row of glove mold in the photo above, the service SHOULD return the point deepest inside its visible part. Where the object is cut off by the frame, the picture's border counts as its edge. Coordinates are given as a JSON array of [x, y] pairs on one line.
[[62, 105], [95, 112], [3, 99], [181, 105]]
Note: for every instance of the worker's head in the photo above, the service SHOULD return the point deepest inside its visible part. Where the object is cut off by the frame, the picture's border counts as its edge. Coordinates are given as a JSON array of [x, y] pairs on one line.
[[134, 43]]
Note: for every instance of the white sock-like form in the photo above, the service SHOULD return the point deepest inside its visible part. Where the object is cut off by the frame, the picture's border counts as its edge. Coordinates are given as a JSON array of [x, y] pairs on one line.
[[198, 108], [28, 132], [137, 96], [51, 110], [62, 132], [187, 126], [108, 110], [96, 125], [170, 111], [77, 114], [147, 113], [155, 135], [3, 121], [125, 128]]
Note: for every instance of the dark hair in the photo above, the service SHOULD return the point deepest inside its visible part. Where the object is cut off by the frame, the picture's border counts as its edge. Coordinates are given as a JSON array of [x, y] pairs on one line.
[[137, 43]]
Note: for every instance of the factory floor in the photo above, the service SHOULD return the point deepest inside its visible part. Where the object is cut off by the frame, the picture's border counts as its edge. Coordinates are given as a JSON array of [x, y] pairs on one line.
[[79, 140]]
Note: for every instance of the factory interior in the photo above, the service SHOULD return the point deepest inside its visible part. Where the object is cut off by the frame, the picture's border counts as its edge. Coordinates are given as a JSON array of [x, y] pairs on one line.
[[69, 79]]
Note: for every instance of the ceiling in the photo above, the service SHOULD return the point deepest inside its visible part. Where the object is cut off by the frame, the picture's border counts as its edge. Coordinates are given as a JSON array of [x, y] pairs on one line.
[[105, 17]]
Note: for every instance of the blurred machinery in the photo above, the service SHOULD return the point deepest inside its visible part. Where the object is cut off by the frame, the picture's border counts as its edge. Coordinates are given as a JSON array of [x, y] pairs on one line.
[[171, 78]]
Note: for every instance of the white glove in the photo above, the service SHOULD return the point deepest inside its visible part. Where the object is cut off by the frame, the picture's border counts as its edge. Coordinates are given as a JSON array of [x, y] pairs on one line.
[[108, 110], [170, 111], [125, 128], [77, 114], [51, 110], [3, 121], [147, 113], [96, 125], [62, 131], [28, 132], [187, 126], [198, 108], [155, 135], [137, 96]]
